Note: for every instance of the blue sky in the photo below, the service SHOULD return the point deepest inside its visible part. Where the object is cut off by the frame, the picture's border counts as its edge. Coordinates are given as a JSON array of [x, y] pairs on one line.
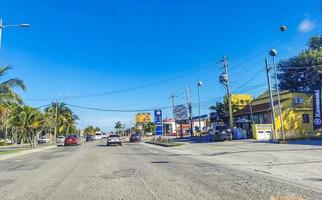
[[76, 48]]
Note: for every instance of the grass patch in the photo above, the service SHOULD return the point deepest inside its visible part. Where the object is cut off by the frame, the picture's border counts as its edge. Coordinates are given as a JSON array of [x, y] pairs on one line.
[[6, 152]]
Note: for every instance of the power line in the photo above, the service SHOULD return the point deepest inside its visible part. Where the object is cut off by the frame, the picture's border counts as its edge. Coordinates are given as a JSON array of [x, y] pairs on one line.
[[117, 110]]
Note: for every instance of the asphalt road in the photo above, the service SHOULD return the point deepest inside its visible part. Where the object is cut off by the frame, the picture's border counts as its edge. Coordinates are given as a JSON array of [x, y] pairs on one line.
[[133, 171]]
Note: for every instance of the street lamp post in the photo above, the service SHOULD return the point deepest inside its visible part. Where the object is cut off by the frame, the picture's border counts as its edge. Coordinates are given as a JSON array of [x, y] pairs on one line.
[[199, 85], [273, 53], [8, 26]]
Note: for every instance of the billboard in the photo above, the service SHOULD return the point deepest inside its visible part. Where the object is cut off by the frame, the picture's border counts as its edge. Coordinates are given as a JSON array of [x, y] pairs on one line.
[[158, 122], [317, 107], [181, 112], [142, 117]]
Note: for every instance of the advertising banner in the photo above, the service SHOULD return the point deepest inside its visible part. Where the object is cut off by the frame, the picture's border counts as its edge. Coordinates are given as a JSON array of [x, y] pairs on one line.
[[180, 112], [158, 122], [143, 117], [317, 108]]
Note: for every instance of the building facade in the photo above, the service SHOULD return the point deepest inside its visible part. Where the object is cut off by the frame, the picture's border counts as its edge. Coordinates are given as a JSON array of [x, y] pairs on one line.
[[297, 113]]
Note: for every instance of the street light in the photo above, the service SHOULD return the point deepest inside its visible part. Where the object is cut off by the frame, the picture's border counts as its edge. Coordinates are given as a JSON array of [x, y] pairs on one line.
[[273, 53], [199, 85], [10, 25]]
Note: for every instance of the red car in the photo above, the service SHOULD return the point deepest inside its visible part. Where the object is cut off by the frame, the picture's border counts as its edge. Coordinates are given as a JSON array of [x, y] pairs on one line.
[[72, 140]]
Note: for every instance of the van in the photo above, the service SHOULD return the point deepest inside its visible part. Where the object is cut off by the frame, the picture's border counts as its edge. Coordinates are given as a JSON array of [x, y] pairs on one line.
[[98, 136]]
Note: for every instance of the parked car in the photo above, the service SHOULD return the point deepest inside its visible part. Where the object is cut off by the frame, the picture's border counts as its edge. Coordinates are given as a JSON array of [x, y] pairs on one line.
[[135, 137], [105, 135], [72, 140], [98, 136], [43, 140], [90, 138], [60, 140], [219, 133], [7, 141], [114, 139]]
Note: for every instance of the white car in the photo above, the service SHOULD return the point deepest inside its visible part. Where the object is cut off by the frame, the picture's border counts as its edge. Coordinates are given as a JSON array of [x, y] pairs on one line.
[[60, 141], [43, 140], [98, 136], [105, 135], [8, 141]]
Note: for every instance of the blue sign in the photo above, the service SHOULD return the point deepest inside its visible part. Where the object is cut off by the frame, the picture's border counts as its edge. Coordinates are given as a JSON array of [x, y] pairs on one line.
[[158, 122]]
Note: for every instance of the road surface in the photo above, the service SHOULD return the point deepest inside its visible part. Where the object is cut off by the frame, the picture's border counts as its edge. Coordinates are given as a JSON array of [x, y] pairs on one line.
[[133, 171]]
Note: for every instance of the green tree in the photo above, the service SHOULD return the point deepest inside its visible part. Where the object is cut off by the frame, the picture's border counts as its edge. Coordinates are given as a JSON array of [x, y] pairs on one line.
[[7, 97], [119, 127], [91, 130], [7, 93], [31, 123], [219, 107], [61, 118], [302, 72], [149, 127]]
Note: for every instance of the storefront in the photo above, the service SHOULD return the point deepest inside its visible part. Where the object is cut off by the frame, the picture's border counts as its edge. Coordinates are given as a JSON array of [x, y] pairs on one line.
[[297, 114]]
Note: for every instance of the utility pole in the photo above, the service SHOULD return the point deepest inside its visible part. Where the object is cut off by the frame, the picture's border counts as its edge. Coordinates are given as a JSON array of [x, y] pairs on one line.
[[273, 53], [173, 96], [270, 98], [190, 110], [225, 80], [56, 120]]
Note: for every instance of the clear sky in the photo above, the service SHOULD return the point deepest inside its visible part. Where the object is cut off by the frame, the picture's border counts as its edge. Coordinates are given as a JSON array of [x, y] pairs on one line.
[[77, 49]]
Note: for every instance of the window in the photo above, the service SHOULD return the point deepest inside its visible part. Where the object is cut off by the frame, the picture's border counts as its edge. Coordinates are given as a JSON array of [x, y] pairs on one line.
[[306, 118]]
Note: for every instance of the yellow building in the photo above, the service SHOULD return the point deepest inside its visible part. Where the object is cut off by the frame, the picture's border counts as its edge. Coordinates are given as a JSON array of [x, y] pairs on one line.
[[297, 113], [239, 101]]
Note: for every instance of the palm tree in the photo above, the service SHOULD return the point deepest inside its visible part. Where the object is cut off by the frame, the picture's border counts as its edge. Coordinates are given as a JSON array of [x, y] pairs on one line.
[[61, 117], [7, 93], [8, 96], [119, 127], [31, 123]]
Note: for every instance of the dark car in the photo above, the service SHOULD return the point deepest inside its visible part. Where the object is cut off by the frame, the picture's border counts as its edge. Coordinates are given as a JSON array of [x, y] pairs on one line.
[[220, 133], [72, 140], [135, 138], [114, 139], [90, 138]]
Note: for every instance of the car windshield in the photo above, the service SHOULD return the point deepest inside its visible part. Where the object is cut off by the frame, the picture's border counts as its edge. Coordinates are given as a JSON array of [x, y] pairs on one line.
[[221, 128], [111, 136]]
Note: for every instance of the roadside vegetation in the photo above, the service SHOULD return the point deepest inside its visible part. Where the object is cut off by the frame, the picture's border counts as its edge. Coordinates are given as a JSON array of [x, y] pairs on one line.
[[21, 123]]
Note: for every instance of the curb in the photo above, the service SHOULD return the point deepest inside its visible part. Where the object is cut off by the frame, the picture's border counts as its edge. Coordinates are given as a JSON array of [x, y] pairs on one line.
[[25, 152]]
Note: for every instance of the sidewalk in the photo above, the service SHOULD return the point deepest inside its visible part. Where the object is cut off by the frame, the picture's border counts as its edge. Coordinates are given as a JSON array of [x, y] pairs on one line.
[[24, 150], [299, 162]]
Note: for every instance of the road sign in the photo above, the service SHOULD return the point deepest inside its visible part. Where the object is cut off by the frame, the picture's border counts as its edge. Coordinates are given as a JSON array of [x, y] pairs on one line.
[[317, 107], [158, 122], [181, 112]]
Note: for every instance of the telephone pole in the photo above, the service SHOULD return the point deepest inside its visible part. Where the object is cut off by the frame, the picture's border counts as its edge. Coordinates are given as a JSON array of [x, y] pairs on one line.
[[173, 96], [190, 110], [273, 53], [270, 98], [225, 81]]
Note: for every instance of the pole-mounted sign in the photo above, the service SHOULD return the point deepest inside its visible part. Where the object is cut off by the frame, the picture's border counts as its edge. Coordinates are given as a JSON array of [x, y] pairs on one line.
[[158, 122], [317, 107]]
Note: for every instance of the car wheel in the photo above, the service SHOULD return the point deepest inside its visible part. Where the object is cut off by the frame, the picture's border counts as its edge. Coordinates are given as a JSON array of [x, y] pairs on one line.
[[107, 144], [120, 144]]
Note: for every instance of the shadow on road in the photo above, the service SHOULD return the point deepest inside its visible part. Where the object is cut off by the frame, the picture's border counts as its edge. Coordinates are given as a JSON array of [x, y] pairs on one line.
[[104, 145], [196, 139]]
